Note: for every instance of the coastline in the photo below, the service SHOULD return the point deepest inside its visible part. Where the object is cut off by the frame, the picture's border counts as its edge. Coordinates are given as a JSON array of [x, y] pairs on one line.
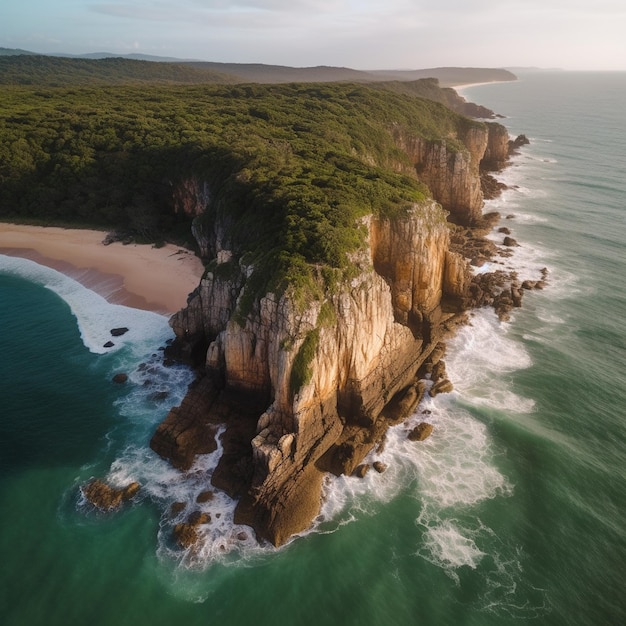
[[462, 86], [135, 275]]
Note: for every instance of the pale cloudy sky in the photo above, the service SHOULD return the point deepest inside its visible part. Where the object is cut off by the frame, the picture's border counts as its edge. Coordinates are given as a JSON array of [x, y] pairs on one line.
[[363, 34]]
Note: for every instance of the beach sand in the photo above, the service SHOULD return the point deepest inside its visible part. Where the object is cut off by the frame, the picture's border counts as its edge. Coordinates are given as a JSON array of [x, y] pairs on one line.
[[135, 275]]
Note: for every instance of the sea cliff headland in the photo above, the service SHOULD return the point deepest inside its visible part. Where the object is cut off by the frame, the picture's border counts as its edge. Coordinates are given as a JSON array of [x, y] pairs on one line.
[[308, 384], [337, 225]]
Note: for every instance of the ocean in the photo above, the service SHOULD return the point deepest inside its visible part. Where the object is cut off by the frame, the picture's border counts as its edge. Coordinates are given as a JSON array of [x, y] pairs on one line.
[[512, 511]]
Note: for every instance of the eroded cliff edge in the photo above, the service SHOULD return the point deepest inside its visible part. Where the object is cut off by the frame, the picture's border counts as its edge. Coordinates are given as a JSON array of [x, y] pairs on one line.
[[307, 379]]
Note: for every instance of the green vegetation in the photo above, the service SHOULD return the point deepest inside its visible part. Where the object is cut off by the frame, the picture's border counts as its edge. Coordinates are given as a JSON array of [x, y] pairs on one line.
[[45, 71], [290, 169], [301, 371]]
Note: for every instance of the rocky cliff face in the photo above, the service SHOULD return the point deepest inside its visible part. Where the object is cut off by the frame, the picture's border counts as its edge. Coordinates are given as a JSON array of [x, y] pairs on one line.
[[451, 169], [314, 383]]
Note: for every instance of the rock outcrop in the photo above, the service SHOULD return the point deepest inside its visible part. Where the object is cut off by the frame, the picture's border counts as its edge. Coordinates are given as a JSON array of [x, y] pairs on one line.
[[308, 387], [107, 498]]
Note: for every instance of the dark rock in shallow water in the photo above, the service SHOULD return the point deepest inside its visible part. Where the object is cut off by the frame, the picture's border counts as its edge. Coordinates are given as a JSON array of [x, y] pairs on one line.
[[197, 517], [186, 533], [205, 496], [439, 371], [510, 242], [108, 344], [159, 396], [379, 466], [176, 508], [120, 378], [420, 432], [118, 332], [107, 498], [518, 142], [361, 470], [443, 386]]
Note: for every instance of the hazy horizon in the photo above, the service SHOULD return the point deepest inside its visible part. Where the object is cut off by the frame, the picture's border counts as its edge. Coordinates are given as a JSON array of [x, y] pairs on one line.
[[361, 34]]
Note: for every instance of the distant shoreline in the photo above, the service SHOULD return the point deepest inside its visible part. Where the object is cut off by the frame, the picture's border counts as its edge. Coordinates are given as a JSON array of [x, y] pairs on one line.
[[135, 275], [458, 88]]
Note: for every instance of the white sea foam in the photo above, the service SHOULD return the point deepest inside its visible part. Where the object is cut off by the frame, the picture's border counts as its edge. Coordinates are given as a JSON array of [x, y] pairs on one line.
[[450, 545], [94, 315], [219, 540]]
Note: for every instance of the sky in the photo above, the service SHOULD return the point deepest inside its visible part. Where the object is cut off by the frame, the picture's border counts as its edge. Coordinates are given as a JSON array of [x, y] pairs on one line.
[[362, 34]]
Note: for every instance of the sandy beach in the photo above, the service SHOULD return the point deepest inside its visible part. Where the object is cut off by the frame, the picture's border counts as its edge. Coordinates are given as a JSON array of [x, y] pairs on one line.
[[136, 275]]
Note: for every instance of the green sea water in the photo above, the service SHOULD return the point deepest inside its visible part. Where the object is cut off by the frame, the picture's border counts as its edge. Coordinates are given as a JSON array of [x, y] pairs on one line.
[[513, 511]]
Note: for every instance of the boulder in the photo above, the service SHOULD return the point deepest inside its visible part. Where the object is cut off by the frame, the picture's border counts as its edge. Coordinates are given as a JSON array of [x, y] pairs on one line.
[[510, 242], [176, 508], [186, 533], [443, 386], [107, 498], [205, 496], [518, 142], [198, 517], [118, 332], [420, 432], [379, 466], [439, 371], [108, 344]]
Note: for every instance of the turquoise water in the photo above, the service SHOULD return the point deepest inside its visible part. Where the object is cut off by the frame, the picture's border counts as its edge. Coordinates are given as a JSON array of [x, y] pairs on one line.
[[512, 511]]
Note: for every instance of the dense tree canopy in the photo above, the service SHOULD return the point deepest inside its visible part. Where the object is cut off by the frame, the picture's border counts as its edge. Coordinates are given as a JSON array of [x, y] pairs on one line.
[[290, 167]]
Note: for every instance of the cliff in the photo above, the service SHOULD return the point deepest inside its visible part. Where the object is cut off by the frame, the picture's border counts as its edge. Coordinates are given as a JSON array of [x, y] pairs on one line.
[[307, 381]]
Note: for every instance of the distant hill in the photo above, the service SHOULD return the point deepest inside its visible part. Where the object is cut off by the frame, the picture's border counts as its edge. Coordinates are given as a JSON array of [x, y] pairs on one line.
[[48, 71], [100, 67], [10, 52], [449, 76], [261, 73]]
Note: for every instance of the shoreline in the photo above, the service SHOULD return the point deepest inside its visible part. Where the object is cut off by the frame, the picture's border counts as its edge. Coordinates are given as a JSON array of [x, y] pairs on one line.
[[462, 86], [134, 275]]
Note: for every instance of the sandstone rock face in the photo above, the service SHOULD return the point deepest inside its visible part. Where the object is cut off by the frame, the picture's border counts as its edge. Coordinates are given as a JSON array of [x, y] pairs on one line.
[[497, 151], [451, 173], [369, 338]]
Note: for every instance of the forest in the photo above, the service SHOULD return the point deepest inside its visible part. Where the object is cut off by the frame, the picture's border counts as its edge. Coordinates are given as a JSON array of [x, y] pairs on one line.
[[291, 167]]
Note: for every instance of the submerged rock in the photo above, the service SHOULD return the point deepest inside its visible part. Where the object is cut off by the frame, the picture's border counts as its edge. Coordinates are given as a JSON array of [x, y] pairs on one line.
[[186, 533], [205, 496], [120, 378]]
